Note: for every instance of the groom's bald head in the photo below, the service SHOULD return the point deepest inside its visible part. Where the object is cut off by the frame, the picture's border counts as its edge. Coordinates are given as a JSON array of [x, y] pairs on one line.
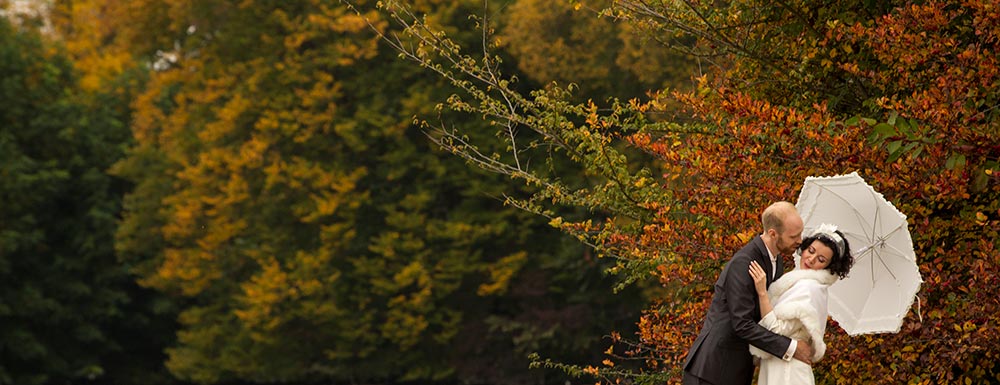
[[776, 214]]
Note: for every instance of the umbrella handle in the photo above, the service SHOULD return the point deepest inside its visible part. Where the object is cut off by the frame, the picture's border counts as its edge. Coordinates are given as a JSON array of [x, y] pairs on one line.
[[918, 310]]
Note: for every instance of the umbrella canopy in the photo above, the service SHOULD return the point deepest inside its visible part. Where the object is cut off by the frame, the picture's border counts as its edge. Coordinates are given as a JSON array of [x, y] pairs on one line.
[[885, 279]]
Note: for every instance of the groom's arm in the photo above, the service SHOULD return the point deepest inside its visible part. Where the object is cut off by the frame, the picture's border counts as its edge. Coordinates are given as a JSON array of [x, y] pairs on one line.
[[742, 300]]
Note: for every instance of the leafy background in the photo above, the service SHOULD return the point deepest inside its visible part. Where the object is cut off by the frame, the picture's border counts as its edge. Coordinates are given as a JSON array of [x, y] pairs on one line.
[[517, 191]]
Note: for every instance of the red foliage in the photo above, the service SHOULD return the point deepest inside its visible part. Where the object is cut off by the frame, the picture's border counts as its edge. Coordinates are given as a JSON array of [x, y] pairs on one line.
[[932, 66]]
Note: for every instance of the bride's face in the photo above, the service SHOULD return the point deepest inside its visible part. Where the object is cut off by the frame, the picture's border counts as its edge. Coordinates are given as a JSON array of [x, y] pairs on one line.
[[816, 257]]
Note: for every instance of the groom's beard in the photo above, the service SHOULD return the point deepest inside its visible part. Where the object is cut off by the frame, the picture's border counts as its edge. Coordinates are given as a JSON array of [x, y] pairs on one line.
[[786, 248]]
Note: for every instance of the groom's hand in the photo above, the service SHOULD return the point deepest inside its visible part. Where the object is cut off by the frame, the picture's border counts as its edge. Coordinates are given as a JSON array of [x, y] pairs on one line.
[[803, 352]]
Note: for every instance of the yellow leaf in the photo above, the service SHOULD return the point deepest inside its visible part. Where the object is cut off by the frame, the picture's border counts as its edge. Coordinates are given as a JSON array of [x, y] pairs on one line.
[[981, 218], [501, 274]]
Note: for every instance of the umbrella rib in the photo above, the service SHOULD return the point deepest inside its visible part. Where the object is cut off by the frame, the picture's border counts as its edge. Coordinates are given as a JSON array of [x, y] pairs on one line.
[[857, 214], [875, 221], [886, 269], [872, 268]]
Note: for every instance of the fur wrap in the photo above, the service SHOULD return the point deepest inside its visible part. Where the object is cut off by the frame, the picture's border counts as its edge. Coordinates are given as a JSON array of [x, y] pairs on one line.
[[799, 298]]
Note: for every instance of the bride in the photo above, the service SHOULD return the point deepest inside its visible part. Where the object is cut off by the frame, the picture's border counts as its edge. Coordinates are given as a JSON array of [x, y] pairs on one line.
[[800, 303]]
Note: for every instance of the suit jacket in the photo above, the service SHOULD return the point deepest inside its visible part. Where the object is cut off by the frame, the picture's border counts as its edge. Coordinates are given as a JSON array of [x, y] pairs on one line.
[[721, 354]]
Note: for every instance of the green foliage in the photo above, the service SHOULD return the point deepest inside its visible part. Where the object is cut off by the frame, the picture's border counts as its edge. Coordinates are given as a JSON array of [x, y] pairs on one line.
[[70, 312]]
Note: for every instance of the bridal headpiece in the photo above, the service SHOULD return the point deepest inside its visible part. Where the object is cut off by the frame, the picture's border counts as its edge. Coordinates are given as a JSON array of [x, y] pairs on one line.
[[829, 232]]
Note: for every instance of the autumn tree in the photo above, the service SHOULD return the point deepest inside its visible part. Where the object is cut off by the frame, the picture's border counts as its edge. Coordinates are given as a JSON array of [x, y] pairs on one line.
[[306, 229], [903, 93], [572, 43]]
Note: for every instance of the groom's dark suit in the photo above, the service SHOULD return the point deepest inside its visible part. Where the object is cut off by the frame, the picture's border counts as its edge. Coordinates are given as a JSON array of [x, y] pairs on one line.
[[720, 354]]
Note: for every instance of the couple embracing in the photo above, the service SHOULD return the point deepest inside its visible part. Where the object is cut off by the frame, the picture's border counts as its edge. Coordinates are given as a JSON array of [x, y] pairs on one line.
[[758, 310]]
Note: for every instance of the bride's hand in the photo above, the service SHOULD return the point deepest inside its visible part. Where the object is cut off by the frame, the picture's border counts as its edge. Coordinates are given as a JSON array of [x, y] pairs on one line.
[[759, 278]]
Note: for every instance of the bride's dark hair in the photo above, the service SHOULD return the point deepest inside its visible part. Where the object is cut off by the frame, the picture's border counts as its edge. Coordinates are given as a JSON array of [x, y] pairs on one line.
[[839, 265]]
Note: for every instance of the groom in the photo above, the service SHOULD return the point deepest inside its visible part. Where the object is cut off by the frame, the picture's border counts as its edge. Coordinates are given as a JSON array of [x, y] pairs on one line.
[[720, 354]]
